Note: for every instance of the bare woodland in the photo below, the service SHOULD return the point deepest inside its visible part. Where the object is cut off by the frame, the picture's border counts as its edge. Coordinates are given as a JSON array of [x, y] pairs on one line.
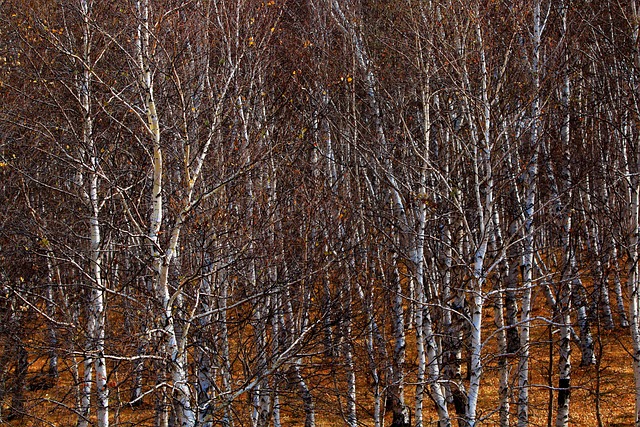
[[229, 212]]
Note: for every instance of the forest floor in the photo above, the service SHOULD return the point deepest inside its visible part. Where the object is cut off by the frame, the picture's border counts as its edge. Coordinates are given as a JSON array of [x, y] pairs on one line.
[[602, 395], [607, 388]]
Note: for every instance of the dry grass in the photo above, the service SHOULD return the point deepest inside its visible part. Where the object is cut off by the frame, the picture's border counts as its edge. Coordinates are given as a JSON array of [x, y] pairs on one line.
[[611, 383]]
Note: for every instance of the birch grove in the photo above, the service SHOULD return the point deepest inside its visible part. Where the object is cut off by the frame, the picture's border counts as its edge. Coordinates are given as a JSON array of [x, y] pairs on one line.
[[319, 212]]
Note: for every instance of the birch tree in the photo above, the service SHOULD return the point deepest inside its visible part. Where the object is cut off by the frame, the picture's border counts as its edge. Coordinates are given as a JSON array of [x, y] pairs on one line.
[[562, 418], [259, 212], [538, 25], [147, 56], [634, 191]]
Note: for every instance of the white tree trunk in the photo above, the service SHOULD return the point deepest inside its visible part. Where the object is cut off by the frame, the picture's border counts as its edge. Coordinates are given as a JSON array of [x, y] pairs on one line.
[[205, 375], [632, 166], [371, 341], [396, 388], [617, 287], [633, 286], [529, 207], [52, 335], [483, 189], [224, 354], [564, 309], [351, 417], [96, 310], [85, 389], [498, 315], [174, 347], [426, 345], [96, 305]]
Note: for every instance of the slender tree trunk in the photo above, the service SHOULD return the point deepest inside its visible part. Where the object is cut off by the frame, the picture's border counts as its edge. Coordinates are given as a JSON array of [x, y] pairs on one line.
[[483, 192], [529, 208], [632, 166], [222, 338], [504, 389], [426, 344], [51, 312], [205, 375], [617, 288], [396, 388], [579, 296], [85, 388], [96, 309], [454, 320], [633, 285], [564, 309], [370, 346], [350, 415]]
